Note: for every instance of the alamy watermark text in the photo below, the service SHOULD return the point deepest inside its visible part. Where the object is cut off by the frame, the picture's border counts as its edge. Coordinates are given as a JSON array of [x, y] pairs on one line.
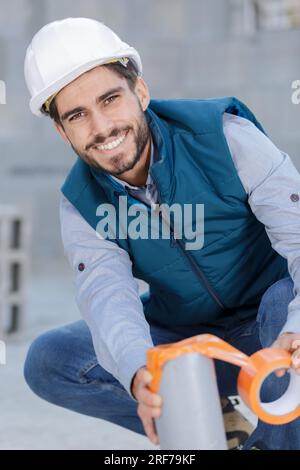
[[135, 221]]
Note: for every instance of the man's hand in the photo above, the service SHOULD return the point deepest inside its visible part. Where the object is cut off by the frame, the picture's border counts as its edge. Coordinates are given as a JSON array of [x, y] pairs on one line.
[[289, 342], [149, 406]]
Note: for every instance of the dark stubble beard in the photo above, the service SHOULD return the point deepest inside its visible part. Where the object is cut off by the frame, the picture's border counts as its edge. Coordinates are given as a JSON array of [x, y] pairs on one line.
[[141, 138]]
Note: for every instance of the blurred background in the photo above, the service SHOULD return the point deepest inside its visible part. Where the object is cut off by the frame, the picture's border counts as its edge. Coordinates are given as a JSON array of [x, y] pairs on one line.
[[190, 49]]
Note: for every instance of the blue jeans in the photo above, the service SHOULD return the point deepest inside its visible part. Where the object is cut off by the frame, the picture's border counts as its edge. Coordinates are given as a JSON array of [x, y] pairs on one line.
[[61, 367]]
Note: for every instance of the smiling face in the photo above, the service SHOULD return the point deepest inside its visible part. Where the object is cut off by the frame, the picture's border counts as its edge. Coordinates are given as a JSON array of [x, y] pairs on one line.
[[104, 122]]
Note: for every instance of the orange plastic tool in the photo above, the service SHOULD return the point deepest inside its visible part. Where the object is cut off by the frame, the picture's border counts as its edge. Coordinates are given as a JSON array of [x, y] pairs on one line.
[[254, 370]]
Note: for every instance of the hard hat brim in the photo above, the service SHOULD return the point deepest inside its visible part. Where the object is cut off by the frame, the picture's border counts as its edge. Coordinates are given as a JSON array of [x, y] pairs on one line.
[[38, 101]]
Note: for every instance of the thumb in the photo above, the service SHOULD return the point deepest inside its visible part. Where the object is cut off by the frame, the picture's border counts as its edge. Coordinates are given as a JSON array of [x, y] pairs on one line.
[[147, 377]]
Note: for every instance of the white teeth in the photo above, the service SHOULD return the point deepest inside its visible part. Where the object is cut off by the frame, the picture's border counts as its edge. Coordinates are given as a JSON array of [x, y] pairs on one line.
[[112, 145]]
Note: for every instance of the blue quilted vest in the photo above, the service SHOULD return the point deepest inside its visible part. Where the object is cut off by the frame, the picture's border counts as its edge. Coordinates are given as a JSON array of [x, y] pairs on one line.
[[223, 282]]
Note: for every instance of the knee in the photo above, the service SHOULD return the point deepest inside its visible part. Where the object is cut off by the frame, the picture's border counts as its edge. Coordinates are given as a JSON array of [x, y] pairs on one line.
[[42, 364], [273, 309]]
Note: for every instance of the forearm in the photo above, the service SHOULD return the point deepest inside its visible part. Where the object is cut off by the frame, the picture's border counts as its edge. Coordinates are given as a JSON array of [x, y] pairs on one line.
[[107, 296], [281, 216], [114, 314]]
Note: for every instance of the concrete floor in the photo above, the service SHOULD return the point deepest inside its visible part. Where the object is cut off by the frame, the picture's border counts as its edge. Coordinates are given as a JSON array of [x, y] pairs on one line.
[[26, 421]]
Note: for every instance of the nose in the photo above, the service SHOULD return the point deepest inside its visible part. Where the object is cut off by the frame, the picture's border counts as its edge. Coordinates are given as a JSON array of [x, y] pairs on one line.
[[101, 124]]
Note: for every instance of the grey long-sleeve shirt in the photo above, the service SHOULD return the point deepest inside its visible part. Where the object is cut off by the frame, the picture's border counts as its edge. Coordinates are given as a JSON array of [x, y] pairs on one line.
[[106, 292]]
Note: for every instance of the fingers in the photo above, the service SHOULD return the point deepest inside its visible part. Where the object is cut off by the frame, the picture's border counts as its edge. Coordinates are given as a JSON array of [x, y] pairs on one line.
[[289, 342], [148, 398], [283, 342], [280, 372], [150, 403], [143, 395], [149, 430], [297, 370], [142, 378], [295, 344], [295, 362], [296, 356], [147, 415]]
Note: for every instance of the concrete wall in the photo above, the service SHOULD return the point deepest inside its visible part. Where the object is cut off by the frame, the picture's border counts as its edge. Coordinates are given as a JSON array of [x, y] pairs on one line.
[[189, 48]]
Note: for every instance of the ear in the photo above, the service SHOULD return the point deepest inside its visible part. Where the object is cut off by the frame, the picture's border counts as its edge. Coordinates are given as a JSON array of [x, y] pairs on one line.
[[61, 131], [142, 91]]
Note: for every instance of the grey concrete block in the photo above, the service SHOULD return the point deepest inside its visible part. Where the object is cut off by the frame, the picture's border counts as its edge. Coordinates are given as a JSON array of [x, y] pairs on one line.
[[15, 235]]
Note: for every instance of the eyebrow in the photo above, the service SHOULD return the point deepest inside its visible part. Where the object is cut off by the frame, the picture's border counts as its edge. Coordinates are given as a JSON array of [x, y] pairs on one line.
[[80, 109]]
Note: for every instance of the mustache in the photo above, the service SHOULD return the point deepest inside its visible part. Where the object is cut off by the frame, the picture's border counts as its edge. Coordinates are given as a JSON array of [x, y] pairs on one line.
[[100, 139]]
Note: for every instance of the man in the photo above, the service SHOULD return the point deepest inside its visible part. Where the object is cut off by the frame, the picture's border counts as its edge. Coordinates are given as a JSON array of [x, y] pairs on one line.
[[242, 283]]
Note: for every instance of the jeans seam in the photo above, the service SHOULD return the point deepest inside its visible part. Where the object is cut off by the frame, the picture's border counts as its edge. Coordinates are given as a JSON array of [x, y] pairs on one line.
[[105, 386], [111, 387], [88, 367]]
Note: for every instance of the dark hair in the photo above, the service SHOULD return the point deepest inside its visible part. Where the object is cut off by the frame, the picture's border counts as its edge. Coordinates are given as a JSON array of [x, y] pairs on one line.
[[129, 73]]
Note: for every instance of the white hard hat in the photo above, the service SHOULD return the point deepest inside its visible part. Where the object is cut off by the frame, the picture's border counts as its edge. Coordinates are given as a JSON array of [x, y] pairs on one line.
[[63, 50]]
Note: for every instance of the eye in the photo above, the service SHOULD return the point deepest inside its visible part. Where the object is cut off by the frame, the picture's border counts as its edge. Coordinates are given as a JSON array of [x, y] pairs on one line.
[[111, 99], [76, 117]]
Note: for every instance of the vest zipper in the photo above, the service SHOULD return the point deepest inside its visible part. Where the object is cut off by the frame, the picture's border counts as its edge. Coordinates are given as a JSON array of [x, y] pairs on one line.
[[187, 255]]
